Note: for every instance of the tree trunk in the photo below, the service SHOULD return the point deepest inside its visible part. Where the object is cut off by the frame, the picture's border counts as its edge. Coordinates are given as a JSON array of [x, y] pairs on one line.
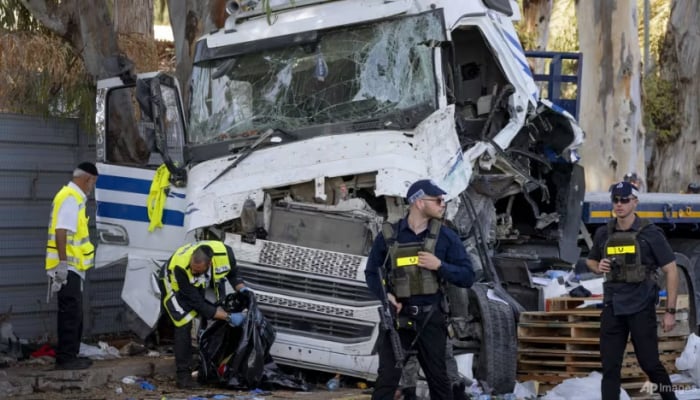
[[536, 15], [134, 16], [677, 163], [88, 27], [610, 94], [189, 20]]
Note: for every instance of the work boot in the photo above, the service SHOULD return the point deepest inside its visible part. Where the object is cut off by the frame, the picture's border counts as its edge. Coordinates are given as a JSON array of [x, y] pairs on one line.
[[74, 363], [186, 382]]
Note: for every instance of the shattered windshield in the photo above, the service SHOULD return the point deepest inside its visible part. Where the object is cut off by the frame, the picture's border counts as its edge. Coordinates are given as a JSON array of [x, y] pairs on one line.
[[348, 74]]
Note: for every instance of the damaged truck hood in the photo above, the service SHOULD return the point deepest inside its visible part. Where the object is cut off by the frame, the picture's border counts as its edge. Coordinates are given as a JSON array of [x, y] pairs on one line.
[[397, 157]]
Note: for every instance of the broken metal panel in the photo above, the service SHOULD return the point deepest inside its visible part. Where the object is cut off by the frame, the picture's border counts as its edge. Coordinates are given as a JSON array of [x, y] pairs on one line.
[[389, 152]]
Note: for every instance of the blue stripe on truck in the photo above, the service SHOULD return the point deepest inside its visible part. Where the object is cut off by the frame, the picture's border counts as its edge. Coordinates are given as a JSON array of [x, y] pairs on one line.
[[137, 213]]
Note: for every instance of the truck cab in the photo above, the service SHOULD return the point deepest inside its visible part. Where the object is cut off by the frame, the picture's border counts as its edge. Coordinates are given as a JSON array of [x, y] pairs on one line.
[[303, 131]]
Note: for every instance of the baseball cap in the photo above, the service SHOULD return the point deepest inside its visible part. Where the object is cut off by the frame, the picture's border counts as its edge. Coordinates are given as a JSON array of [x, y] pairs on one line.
[[88, 167], [623, 189], [422, 188]]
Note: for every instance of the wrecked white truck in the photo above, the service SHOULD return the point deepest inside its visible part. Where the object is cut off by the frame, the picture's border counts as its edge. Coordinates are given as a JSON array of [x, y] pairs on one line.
[[302, 137]]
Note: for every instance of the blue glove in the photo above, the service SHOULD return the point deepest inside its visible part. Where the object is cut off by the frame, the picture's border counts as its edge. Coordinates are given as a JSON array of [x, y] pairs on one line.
[[244, 289], [236, 319]]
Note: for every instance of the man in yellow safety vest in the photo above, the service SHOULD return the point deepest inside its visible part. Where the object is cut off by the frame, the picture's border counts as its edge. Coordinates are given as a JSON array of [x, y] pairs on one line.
[[192, 269], [69, 254]]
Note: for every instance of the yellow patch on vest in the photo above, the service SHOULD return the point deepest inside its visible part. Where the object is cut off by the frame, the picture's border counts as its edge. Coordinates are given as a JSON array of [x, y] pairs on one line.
[[406, 261], [621, 249]]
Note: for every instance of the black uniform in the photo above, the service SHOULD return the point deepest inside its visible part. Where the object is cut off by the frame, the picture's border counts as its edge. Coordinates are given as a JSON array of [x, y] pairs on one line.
[[630, 308], [425, 310]]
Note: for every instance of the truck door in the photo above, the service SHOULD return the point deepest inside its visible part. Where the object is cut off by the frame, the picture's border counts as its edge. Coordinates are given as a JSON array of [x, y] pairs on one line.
[[140, 128]]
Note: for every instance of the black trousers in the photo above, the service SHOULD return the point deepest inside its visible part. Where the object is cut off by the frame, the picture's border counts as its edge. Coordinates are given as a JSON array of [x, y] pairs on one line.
[[614, 332], [182, 339], [430, 348], [69, 319]]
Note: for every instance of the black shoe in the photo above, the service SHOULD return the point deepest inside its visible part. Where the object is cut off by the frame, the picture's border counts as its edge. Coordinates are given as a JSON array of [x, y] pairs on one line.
[[187, 383], [74, 363]]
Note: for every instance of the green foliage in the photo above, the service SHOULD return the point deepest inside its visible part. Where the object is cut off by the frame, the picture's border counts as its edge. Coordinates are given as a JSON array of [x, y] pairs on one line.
[[15, 17], [661, 109], [161, 16]]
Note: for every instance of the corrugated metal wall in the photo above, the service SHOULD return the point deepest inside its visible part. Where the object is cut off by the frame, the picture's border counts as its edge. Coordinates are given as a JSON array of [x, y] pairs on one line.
[[37, 157]]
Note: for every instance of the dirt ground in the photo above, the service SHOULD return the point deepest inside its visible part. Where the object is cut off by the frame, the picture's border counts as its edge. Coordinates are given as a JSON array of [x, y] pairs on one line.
[[166, 390]]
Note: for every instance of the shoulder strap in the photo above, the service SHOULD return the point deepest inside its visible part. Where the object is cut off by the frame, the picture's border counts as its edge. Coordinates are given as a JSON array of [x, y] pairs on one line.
[[389, 232], [432, 237], [611, 226]]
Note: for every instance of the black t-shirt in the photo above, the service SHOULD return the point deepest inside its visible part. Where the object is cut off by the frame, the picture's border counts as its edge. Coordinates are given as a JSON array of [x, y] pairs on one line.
[[630, 298]]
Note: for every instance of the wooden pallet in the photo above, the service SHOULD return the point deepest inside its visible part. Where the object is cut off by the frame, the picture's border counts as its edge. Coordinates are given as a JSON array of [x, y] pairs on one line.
[[569, 303], [564, 343]]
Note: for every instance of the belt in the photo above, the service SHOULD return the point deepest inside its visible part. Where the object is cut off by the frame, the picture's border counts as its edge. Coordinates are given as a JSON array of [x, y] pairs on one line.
[[415, 310]]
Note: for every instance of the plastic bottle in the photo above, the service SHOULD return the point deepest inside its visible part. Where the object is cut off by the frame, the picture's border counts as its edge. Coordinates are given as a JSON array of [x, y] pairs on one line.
[[333, 383]]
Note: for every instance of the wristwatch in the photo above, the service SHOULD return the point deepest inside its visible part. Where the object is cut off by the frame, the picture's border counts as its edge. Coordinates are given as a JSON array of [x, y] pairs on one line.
[[671, 310]]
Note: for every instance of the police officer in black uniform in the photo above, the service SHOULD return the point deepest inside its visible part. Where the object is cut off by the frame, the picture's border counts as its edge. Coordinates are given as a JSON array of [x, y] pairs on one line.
[[629, 250], [417, 254]]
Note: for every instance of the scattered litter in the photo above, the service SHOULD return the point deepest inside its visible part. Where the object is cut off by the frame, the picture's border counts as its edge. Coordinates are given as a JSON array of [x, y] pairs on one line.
[[220, 397], [689, 362], [525, 390], [586, 388], [103, 352], [45, 350], [152, 353], [146, 385], [130, 379], [132, 349], [118, 390], [333, 383]]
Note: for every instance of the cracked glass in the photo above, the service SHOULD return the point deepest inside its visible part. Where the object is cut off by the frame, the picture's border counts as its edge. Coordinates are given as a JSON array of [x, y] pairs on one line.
[[350, 74]]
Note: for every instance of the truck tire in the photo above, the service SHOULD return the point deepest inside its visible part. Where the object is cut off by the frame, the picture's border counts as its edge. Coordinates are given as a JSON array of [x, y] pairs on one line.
[[496, 362]]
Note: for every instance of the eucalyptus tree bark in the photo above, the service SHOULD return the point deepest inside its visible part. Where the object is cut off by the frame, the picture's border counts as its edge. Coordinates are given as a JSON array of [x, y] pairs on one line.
[[134, 16], [87, 26], [677, 162], [189, 20], [610, 94], [536, 14]]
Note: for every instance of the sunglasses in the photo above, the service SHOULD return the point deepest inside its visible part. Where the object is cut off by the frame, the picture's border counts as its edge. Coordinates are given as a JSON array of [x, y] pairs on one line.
[[621, 200], [437, 201]]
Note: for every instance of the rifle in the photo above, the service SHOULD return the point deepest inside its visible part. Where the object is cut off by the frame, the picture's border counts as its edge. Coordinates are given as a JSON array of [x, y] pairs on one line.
[[388, 321]]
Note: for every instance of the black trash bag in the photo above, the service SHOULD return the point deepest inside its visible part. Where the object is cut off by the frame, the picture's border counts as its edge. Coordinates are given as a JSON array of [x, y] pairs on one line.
[[239, 357]]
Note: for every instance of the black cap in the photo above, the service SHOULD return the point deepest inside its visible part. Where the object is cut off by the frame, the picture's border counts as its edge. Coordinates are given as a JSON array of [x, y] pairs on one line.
[[624, 189], [88, 167], [422, 188]]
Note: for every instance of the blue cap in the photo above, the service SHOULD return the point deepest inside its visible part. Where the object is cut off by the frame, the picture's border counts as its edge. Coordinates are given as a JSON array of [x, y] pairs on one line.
[[422, 188], [624, 189]]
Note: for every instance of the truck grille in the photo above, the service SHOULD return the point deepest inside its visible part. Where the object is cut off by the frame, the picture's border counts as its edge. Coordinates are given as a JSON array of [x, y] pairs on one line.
[[318, 327], [315, 261], [307, 285]]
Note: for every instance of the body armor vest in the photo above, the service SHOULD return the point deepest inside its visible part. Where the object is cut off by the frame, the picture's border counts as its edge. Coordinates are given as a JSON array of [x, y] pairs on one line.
[[622, 248], [406, 277]]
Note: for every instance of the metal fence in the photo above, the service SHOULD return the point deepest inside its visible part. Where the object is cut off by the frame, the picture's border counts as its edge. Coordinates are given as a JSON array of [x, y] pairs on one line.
[[37, 156]]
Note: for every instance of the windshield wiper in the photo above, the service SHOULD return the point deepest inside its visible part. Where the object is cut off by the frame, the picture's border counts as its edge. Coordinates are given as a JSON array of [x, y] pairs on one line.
[[243, 154]]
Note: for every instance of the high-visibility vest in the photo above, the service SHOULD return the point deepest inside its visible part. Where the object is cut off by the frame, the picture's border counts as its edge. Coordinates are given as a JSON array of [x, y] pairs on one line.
[[220, 267], [157, 195], [80, 253]]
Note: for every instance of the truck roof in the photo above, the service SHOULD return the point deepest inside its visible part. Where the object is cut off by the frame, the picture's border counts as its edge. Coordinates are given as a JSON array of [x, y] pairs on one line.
[[673, 208]]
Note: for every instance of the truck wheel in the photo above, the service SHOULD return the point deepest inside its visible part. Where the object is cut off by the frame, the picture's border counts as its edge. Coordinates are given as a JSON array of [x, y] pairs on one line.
[[496, 362]]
